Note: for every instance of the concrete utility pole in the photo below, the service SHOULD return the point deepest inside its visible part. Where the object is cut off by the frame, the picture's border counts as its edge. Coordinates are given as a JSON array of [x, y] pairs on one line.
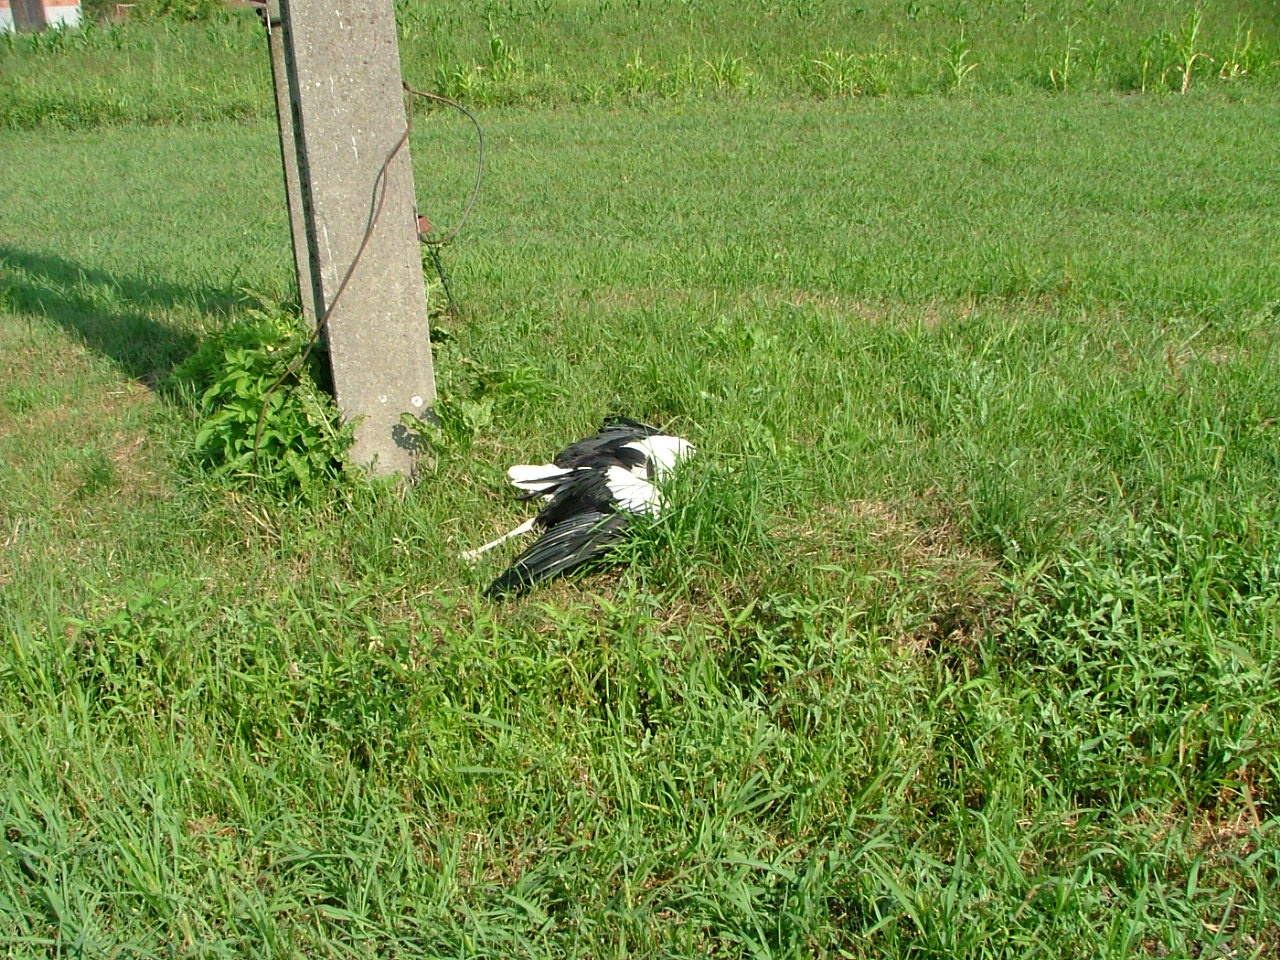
[[355, 205]]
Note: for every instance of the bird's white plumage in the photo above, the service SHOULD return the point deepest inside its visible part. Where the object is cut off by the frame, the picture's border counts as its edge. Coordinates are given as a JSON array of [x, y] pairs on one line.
[[535, 477], [631, 493], [663, 452], [588, 492]]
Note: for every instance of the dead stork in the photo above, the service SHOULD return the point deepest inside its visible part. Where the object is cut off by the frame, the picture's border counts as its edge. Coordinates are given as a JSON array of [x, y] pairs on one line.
[[590, 491]]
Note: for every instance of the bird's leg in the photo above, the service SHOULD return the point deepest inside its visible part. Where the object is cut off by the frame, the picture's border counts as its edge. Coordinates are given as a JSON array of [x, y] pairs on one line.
[[518, 531]]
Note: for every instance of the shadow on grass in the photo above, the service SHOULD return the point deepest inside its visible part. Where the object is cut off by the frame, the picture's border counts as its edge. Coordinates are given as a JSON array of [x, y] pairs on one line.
[[117, 314]]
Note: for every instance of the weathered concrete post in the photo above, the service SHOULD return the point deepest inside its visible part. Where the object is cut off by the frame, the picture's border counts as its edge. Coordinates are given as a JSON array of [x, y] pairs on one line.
[[28, 16], [356, 186]]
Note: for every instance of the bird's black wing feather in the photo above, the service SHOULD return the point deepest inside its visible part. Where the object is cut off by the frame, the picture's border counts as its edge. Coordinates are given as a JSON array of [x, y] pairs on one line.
[[575, 541], [583, 491], [586, 488], [614, 433]]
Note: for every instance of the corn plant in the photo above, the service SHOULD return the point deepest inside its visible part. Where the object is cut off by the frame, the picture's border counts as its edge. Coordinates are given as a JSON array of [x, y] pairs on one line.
[[837, 73], [639, 76], [503, 61], [1060, 76], [1185, 44], [832, 74], [957, 62], [727, 71], [1244, 56]]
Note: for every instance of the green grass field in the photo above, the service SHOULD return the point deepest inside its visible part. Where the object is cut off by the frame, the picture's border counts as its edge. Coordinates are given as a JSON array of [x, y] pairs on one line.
[[961, 640]]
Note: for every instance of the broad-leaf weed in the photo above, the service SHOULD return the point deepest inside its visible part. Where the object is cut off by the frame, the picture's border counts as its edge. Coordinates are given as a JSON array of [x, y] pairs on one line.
[[265, 421]]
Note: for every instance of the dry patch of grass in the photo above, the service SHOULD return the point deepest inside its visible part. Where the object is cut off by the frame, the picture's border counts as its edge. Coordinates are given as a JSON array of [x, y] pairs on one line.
[[913, 556], [74, 436]]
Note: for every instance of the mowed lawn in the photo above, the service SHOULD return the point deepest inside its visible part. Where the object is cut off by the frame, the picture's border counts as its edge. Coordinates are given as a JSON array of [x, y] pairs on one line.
[[962, 638]]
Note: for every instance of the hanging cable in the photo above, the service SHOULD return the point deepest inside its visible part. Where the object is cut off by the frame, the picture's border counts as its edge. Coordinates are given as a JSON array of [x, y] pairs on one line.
[[475, 191], [432, 244]]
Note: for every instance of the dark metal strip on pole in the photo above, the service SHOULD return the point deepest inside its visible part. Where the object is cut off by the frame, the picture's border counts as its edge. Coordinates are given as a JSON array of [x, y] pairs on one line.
[[287, 124]]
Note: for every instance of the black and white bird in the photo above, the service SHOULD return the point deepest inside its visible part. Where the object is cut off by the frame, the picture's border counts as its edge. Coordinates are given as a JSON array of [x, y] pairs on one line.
[[590, 491]]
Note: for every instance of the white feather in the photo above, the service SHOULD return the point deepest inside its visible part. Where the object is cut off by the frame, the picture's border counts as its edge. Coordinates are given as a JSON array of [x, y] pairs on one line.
[[535, 477], [664, 451], [633, 494]]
